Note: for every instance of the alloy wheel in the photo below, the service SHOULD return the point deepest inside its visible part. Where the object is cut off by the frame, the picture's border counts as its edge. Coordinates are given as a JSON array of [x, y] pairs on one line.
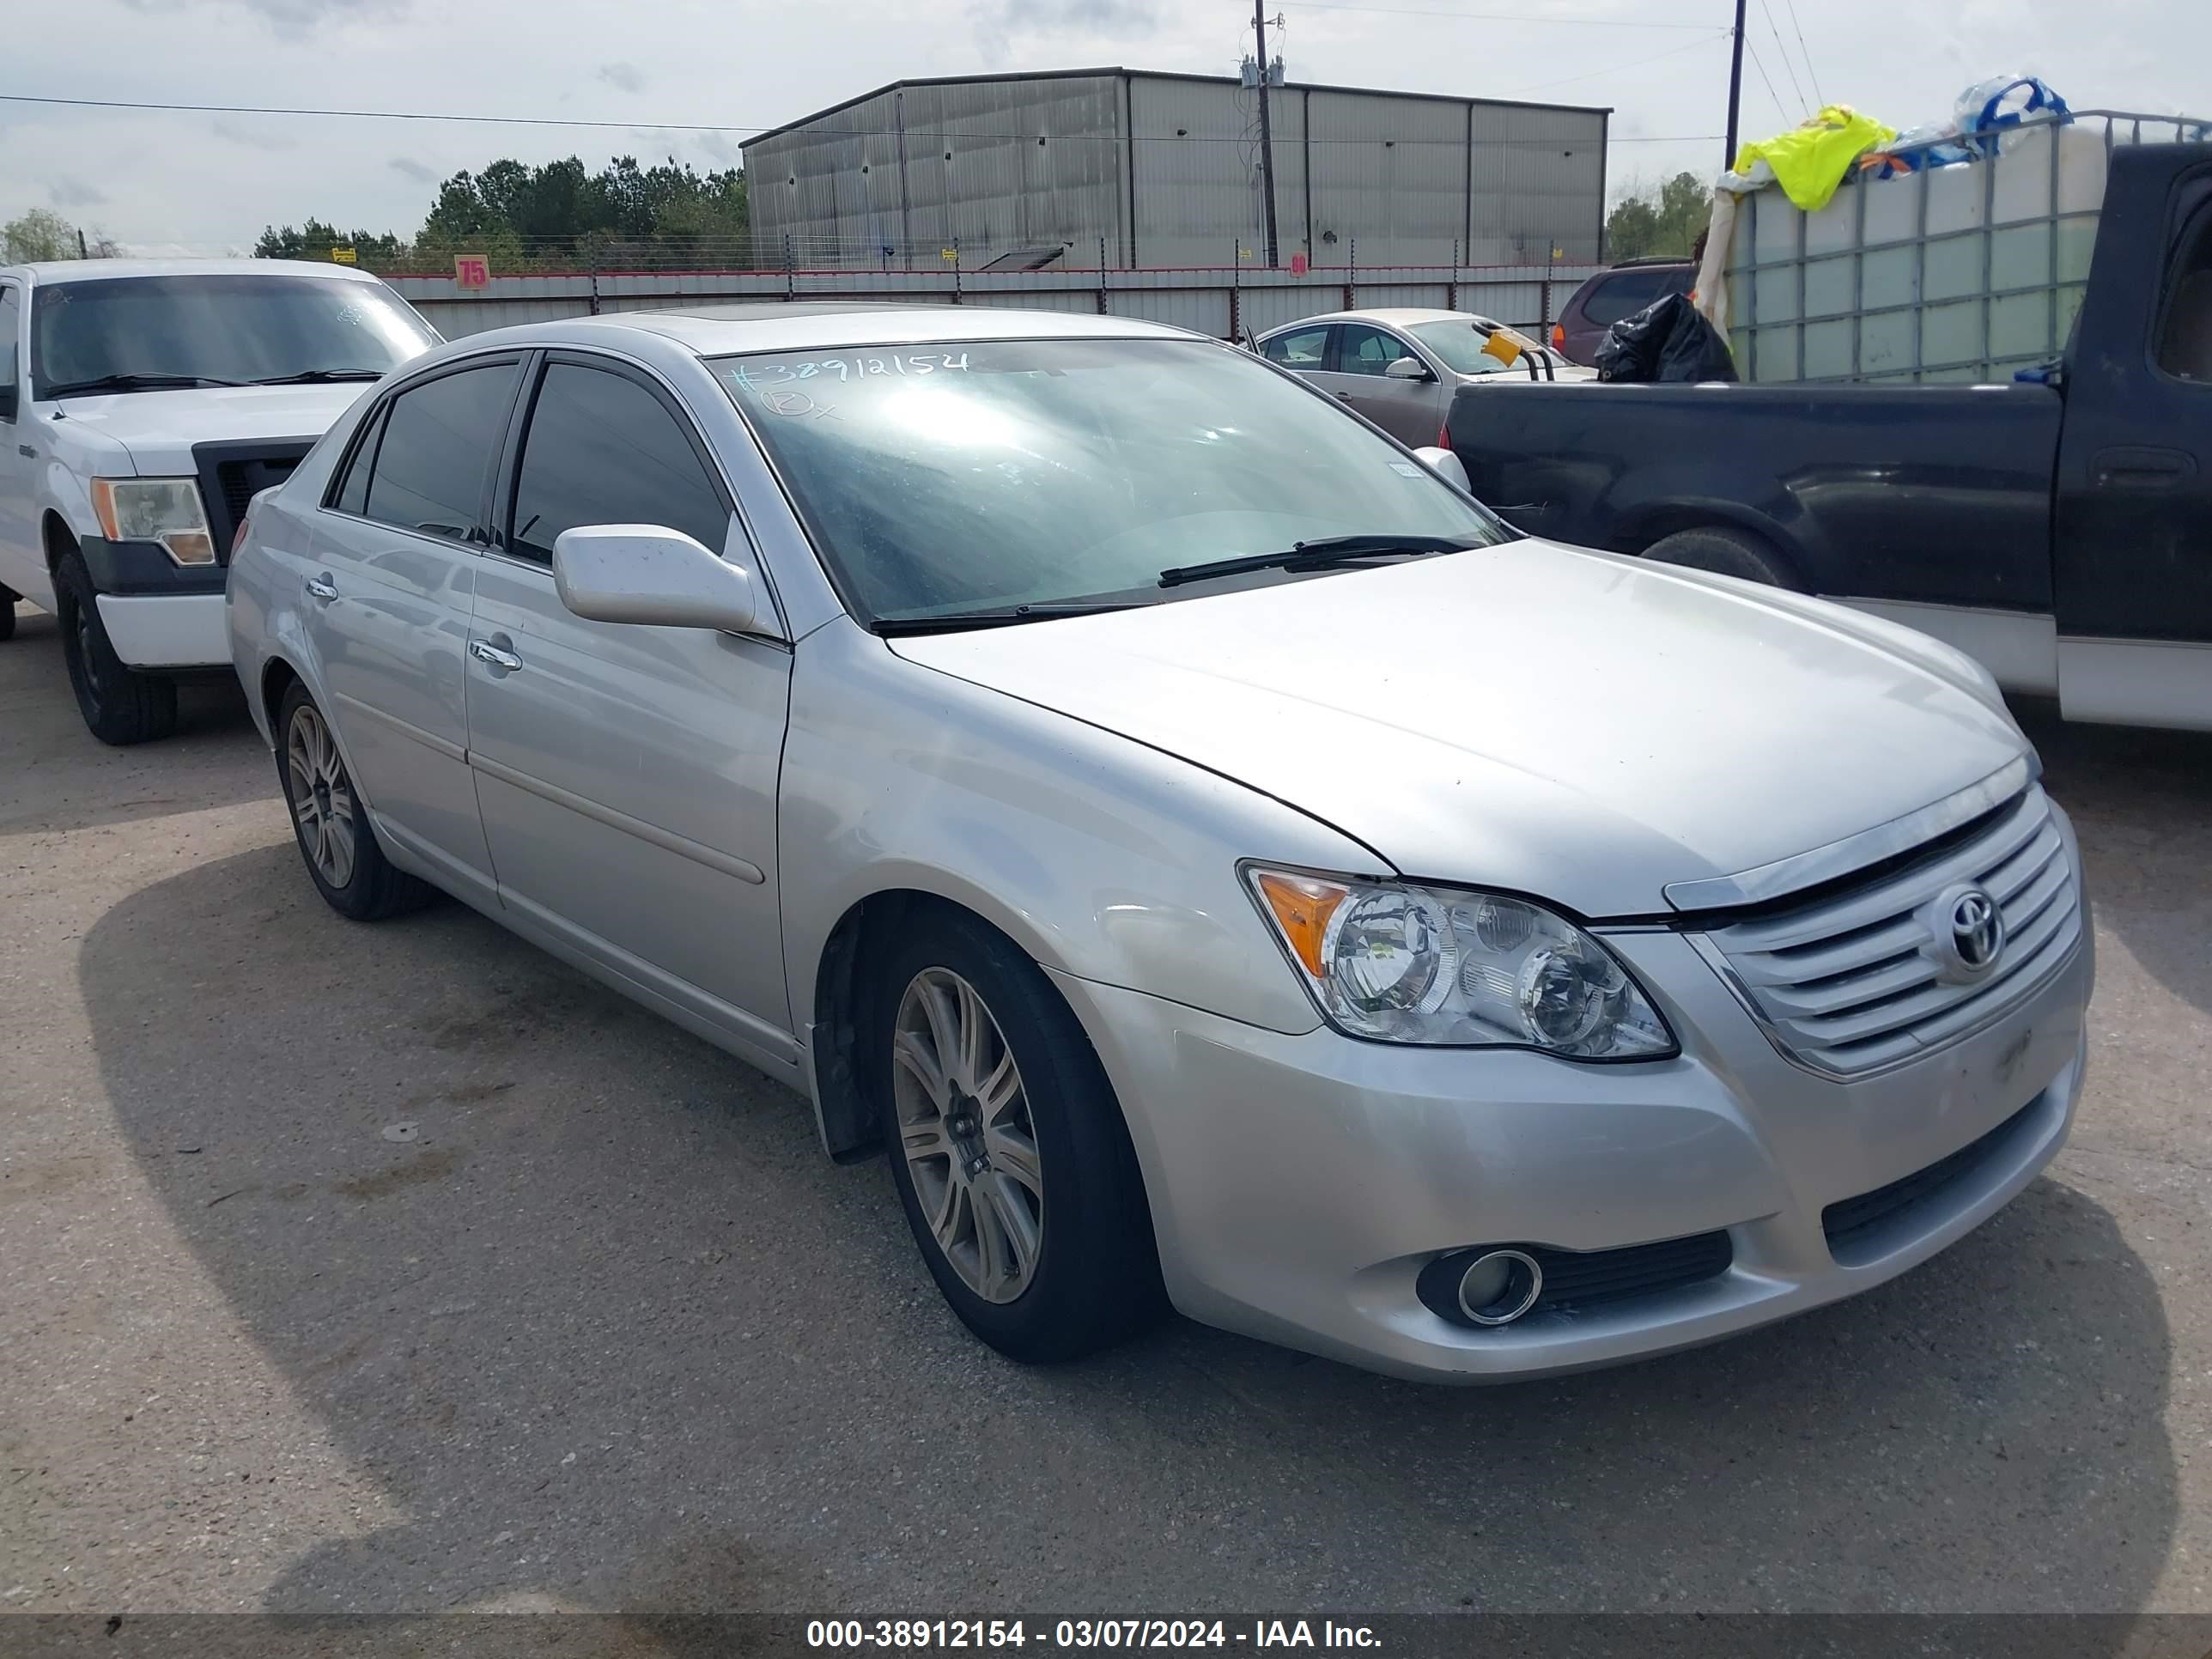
[[322, 797], [966, 1134]]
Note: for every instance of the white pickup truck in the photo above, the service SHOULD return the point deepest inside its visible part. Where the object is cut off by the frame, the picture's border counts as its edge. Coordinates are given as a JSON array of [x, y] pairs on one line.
[[142, 403]]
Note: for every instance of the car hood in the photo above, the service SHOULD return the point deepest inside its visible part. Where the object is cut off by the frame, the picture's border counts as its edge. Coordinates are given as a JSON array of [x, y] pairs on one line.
[[159, 428], [1581, 727]]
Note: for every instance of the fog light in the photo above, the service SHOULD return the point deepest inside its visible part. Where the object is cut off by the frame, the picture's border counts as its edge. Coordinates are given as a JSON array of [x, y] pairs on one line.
[[1500, 1285]]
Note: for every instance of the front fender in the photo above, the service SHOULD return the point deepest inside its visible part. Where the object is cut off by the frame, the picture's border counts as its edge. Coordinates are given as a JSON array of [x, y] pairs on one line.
[[66, 494], [1103, 859]]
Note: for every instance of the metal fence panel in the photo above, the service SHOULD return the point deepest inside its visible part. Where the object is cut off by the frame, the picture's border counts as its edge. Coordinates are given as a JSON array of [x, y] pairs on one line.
[[1214, 301]]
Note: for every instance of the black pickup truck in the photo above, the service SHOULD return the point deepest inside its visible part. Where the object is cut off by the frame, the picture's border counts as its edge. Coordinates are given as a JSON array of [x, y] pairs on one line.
[[2061, 531]]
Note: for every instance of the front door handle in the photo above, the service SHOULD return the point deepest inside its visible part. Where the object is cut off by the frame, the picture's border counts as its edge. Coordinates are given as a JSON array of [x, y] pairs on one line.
[[485, 652], [323, 588], [27, 452], [2143, 467]]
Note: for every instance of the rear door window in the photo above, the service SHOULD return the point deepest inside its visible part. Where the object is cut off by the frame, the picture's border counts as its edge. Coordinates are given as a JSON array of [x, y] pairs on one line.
[[436, 451], [1305, 348], [1624, 293]]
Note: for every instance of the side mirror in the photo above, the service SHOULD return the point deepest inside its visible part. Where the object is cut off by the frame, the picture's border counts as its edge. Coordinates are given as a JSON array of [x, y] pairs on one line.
[[1446, 466], [1408, 368], [647, 573]]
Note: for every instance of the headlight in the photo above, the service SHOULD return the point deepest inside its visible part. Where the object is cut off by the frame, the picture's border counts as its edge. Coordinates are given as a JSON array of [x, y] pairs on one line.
[[1434, 965], [164, 510]]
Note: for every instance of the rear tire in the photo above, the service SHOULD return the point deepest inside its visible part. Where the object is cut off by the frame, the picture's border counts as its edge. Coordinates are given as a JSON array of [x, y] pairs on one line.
[[336, 841], [1074, 1268], [120, 706], [1726, 553]]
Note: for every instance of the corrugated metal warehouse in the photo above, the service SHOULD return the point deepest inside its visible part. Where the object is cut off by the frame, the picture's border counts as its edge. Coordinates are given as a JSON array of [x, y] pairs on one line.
[[1164, 170]]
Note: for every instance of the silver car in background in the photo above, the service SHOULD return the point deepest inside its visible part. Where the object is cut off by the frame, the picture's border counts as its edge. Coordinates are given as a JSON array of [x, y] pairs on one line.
[[1400, 367], [1220, 863]]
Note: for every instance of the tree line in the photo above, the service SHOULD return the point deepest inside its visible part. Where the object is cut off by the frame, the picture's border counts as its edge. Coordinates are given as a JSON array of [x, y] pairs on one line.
[[1664, 218], [43, 234], [556, 216]]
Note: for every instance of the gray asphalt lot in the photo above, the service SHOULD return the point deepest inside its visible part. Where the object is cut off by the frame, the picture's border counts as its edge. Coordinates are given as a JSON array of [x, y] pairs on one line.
[[608, 1333]]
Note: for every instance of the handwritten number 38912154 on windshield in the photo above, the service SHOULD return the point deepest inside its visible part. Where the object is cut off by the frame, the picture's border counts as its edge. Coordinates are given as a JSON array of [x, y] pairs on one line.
[[764, 381]]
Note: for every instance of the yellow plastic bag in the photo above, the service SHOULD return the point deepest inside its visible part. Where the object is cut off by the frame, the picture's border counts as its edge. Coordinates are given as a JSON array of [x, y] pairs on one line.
[[1809, 161]]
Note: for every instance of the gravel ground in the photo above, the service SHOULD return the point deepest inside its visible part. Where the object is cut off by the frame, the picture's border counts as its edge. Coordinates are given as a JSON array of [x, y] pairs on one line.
[[608, 1333]]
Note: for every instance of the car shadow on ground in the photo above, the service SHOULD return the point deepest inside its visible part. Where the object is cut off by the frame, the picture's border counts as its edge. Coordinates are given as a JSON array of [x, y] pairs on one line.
[[215, 759], [610, 1333], [2142, 802]]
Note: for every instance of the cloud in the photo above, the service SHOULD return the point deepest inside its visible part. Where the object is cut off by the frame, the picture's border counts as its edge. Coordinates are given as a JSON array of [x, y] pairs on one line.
[[67, 192], [997, 22], [291, 18], [622, 78], [408, 168], [262, 135]]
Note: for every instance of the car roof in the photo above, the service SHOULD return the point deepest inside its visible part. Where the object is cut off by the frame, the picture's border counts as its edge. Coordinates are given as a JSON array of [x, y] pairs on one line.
[[717, 331], [1390, 317], [81, 271]]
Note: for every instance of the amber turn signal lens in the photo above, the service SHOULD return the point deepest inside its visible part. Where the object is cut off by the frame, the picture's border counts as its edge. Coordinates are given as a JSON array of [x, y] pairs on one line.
[[1302, 905]]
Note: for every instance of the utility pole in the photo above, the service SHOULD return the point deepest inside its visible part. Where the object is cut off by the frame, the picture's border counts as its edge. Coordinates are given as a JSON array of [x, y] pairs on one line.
[[1267, 134], [1735, 86]]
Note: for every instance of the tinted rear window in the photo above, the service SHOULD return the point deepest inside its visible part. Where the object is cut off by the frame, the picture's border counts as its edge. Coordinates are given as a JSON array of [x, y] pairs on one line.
[[1623, 293]]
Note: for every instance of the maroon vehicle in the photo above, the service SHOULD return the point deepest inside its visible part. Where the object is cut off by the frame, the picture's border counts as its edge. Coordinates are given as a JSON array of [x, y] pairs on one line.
[[1610, 295]]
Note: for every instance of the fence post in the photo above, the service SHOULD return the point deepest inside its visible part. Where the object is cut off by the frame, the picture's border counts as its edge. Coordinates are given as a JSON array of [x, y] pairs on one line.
[[1235, 293], [591, 261], [956, 270], [1103, 309], [1352, 275], [790, 282], [1451, 287]]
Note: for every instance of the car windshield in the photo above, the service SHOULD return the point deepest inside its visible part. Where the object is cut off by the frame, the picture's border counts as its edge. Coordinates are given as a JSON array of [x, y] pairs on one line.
[[234, 329], [1460, 344], [952, 478]]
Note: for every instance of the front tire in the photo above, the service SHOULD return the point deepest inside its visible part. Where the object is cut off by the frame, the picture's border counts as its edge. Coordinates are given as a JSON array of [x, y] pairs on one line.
[[9, 597], [1009, 1152], [336, 841], [120, 706]]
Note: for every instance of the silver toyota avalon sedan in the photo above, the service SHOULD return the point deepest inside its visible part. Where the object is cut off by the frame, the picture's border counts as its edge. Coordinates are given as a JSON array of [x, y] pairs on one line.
[[1219, 863]]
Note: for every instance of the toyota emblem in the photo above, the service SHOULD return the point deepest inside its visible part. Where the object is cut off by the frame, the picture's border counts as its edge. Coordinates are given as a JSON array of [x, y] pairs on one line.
[[1968, 936]]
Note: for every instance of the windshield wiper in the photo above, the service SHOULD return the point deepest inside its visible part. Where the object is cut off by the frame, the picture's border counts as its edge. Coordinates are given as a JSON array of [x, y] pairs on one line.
[[949, 622], [1317, 554], [319, 376], [132, 383]]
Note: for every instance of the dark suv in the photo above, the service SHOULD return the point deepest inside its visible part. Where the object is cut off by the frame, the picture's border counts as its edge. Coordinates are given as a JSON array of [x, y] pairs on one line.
[[1610, 295]]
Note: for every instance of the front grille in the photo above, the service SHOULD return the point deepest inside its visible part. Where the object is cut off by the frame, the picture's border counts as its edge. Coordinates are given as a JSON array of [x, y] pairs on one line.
[[1580, 1278], [1849, 1220], [232, 474], [1575, 1279], [1847, 983]]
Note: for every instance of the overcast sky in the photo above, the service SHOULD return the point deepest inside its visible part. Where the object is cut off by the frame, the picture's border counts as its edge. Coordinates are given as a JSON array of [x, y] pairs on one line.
[[210, 183]]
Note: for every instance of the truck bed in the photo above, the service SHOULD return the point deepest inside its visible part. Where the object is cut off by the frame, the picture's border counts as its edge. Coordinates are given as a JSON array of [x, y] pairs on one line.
[[1938, 495]]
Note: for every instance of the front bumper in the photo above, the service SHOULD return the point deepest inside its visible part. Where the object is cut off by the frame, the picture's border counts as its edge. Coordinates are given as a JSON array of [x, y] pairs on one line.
[[1299, 1183], [168, 630]]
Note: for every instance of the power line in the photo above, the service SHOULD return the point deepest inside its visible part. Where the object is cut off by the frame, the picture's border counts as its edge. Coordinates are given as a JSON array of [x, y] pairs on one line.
[[1780, 107], [1788, 68], [1487, 16], [1811, 74], [845, 132], [1706, 40]]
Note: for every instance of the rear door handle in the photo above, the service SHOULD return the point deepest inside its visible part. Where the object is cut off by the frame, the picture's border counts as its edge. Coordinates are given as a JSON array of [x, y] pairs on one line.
[[2142, 467], [485, 652], [323, 588]]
